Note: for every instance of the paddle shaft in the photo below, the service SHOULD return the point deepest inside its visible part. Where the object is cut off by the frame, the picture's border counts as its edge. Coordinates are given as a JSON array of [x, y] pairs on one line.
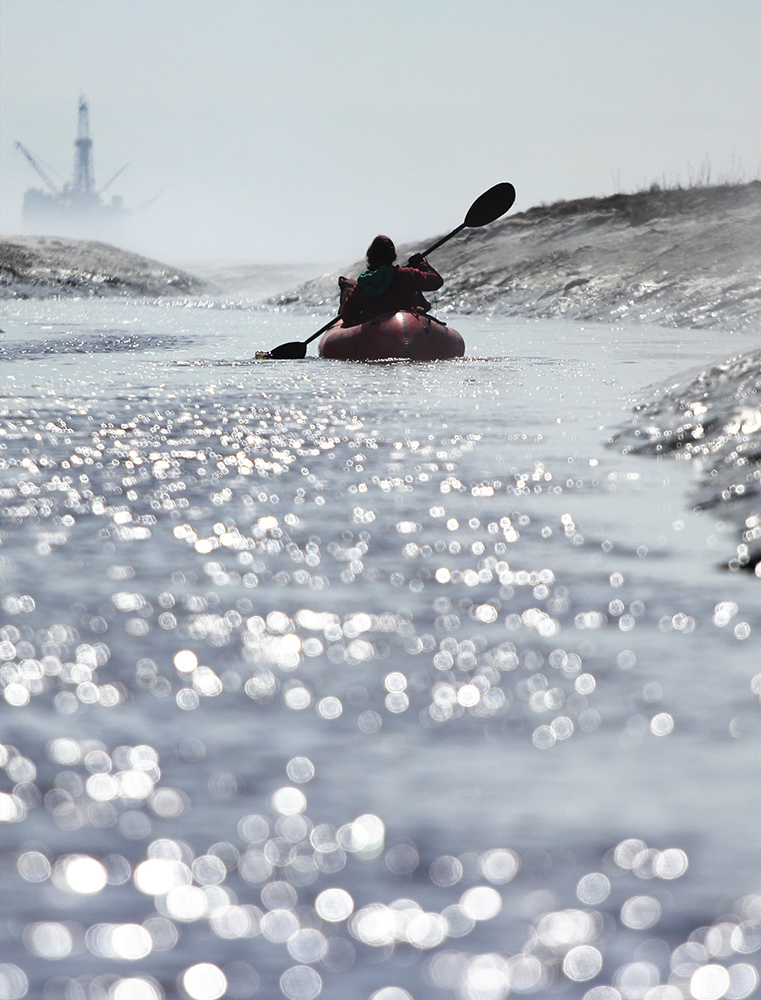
[[321, 330], [443, 240]]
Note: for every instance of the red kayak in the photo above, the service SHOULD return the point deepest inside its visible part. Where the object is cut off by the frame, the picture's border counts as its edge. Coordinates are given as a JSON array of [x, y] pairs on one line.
[[408, 334]]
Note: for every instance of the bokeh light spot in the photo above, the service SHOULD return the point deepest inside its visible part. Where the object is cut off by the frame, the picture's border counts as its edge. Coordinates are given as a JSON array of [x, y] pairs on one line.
[[156, 876], [334, 905], [300, 770], [582, 963], [662, 724], [13, 982], [307, 945], [131, 942], [185, 661], [640, 912], [593, 888], [204, 982], [135, 988], [288, 801], [300, 983], [34, 866], [743, 980], [671, 863], [49, 940], [481, 902], [709, 982], [85, 875], [500, 866]]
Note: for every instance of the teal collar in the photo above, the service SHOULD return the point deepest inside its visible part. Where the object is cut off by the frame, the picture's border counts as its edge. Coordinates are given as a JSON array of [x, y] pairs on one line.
[[378, 281]]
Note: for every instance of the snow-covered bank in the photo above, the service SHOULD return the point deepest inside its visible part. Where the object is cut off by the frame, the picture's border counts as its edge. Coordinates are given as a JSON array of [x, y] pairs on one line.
[[683, 257], [712, 417], [44, 266]]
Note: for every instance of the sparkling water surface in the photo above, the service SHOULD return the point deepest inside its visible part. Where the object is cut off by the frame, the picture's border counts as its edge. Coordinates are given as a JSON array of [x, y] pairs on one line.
[[377, 680]]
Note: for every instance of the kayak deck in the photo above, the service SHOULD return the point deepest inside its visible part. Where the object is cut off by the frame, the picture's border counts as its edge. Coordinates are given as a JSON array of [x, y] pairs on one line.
[[408, 334]]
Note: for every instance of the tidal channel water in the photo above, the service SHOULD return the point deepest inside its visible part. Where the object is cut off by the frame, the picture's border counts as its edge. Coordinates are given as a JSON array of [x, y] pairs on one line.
[[383, 680]]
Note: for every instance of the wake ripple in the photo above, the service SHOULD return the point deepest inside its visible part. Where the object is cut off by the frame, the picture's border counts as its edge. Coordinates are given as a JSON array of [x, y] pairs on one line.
[[97, 342]]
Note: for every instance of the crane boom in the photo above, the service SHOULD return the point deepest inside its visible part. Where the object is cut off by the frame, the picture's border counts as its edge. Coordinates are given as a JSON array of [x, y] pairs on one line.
[[22, 148], [109, 183]]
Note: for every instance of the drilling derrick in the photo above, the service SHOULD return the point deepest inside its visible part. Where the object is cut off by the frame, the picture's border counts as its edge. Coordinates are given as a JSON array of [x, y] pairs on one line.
[[76, 209], [84, 181]]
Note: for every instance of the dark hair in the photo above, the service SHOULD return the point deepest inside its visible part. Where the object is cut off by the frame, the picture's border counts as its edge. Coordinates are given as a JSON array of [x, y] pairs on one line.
[[381, 251]]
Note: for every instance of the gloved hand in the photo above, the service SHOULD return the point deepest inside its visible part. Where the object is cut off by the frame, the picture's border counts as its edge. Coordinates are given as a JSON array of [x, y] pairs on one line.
[[416, 260]]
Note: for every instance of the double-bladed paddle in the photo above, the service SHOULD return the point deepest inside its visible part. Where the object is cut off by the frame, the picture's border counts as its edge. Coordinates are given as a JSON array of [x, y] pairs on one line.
[[485, 209]]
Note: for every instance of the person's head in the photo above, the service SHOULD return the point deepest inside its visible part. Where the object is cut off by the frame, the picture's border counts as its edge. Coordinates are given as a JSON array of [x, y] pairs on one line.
[[381, 251]]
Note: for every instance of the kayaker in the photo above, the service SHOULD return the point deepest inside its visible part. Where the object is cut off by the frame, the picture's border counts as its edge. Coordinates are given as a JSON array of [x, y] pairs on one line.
[[385, 287]]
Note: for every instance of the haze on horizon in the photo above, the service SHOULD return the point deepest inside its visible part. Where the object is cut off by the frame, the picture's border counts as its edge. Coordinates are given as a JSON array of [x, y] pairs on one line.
[[295, 131]]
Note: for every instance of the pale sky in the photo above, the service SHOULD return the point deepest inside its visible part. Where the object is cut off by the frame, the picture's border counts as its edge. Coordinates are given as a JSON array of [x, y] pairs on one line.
[[295, 130]]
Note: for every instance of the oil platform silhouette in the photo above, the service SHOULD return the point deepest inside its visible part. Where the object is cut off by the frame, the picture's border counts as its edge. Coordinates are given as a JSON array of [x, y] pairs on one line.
[[76, 208]]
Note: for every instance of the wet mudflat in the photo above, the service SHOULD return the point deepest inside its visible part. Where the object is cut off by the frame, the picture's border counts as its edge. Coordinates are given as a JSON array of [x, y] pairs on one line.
[[360, 680]]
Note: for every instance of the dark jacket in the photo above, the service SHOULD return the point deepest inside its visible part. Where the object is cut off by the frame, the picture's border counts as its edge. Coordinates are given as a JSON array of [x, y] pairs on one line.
[[401, 294]]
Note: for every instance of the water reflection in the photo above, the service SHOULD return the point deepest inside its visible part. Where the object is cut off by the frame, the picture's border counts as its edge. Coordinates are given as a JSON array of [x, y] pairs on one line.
[[215, 590], [297, 910]]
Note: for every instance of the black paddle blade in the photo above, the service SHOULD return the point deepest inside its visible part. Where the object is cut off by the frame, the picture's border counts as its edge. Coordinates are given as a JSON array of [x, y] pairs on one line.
[[285, 352], [490, 205]]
